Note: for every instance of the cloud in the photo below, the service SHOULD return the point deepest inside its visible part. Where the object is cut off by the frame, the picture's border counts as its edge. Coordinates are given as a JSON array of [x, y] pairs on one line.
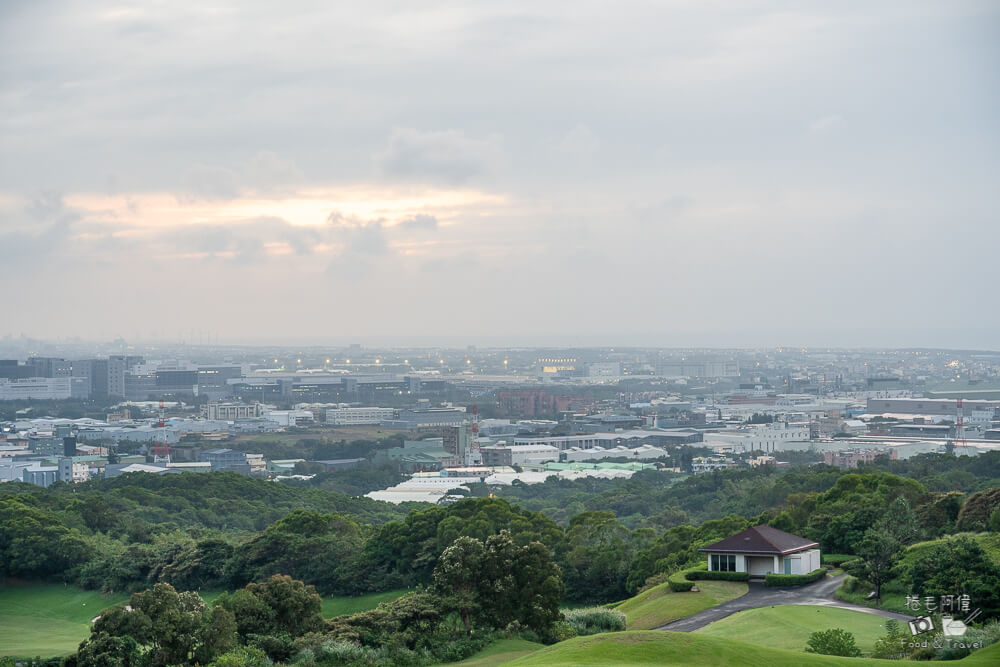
[[267, 172], [579, 142], [418, 223], [242, 240], [825, 124], [446, 155], [203, 181], [39, 229], [264, 173]]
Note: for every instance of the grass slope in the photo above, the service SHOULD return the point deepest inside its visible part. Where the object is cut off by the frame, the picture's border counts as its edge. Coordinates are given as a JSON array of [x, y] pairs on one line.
[[789, 626], [339, 606], [500, 652], [679, 648], [659, 605], [48, 619]]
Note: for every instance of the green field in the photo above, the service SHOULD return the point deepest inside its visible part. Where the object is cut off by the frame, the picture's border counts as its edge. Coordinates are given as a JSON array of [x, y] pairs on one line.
[[500, 652], [339, 606], [789, 626], [51, 619], [48, 619], [659, 605], [679, 648]]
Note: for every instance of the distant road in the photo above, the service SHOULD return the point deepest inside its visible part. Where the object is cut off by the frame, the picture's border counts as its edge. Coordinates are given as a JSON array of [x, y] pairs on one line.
[[759, 595]]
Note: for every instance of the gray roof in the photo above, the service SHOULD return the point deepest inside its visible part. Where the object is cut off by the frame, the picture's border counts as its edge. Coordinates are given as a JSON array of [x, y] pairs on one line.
[[761, 540]]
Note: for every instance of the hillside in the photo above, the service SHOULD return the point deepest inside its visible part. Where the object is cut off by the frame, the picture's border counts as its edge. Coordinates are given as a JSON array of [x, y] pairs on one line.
[[659, 605], [677, 648], [789, 626]]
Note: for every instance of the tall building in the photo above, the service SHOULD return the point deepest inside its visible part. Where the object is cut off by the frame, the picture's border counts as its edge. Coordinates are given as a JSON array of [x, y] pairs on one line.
[[118, 366], [96, 373], [49, 367]]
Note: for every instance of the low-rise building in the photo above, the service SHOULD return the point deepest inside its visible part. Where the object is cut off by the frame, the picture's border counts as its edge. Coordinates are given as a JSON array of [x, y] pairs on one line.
[[359, 416], [231, 411], [763, 550], [851, 458], [227, 459], [516, 455]]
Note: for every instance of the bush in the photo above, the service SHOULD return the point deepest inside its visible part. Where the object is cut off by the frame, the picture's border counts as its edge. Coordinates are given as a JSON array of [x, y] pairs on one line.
[[593, 620], [794, 579], [853, 585], [558, 632], [718, 575], [836, 560], [679, 583], [832, 642], [243, 656]]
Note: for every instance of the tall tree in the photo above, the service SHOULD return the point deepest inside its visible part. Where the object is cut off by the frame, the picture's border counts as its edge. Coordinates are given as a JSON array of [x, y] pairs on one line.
[[878, 552]]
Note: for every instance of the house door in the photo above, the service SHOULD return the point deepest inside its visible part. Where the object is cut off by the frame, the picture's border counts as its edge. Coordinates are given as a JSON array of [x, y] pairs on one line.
[[758, 566]]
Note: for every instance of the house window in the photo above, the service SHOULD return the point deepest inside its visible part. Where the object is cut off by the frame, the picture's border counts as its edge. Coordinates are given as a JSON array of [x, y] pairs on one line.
[[724, 562]]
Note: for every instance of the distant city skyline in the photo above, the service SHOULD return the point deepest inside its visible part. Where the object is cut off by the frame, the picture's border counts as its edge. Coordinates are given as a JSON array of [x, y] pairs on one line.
[[669, 174]]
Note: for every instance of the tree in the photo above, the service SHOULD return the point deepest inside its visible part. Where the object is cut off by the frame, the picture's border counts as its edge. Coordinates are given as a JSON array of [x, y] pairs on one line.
[[456, 578], [279, 605], [103, 650], [956, 567], [878, 553], [598, 555], [496, 582], [833, 642], [163, 627], [900, 521]]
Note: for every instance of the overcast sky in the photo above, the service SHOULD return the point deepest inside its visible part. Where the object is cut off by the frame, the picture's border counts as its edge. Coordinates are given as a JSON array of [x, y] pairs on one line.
[[666, 172]]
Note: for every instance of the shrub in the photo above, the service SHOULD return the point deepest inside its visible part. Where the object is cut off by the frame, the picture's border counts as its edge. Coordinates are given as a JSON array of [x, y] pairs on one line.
[[558, 632], [653, 581], [794, 579], [833, 642], [718, 575], [243, 656], [593, 620], [836, 560], [679, 583], [853, 585]]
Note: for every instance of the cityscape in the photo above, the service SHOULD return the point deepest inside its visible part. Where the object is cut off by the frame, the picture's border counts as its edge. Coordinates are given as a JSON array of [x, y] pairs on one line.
[[492, 416], [480, 334]]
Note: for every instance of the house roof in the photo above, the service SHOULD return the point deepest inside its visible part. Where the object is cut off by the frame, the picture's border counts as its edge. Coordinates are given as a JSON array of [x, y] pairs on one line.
[[761, 540]]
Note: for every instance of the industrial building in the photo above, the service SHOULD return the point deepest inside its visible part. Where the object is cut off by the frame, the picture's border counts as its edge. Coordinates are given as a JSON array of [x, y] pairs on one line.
[[517, 455], [359, 416]]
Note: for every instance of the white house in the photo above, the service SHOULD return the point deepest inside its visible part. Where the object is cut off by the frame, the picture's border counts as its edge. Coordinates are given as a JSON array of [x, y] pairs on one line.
[[763, 550]]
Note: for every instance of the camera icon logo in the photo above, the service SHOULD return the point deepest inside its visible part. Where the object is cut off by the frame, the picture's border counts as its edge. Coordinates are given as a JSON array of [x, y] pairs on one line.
[[952, 627], [921, 624]]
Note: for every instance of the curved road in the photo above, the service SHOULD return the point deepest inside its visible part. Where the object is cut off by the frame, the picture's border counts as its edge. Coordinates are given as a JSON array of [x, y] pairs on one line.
[[759, 595]]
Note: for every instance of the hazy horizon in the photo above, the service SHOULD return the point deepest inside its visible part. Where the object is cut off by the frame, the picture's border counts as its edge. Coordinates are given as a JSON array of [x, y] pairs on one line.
[[674, 174]]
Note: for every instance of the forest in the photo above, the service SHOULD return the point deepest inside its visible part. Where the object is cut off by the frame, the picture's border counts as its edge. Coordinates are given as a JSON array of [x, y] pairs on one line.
[[606, 541]]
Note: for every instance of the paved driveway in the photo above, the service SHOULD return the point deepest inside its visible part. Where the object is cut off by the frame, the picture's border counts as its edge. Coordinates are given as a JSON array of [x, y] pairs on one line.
[[759, 595]]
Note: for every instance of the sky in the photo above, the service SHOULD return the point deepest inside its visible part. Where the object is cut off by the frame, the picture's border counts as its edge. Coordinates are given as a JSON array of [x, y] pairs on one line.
[[663, 173]]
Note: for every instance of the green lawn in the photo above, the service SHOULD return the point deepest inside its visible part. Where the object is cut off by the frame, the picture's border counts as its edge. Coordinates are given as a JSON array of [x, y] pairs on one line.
[[659, 605], [789, 626], [48, 619], [679, 648], [340, 606], [52, 619], [499, 652]]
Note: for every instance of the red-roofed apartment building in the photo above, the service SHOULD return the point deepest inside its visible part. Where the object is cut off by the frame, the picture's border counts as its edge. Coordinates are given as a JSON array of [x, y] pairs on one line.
[[764, 550]]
